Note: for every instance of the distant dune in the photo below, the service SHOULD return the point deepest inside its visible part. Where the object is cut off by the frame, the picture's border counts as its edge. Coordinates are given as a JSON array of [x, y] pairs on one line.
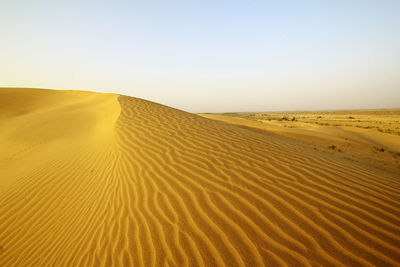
[[89, 179]]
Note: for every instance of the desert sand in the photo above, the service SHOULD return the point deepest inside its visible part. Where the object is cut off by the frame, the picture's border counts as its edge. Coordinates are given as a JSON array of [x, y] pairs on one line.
[[370, 136], [90, 179]]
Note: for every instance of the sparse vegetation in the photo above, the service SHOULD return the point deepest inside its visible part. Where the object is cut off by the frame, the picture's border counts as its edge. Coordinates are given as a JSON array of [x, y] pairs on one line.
[[380, 149], [395, 154], [284, 118], [385, 121]]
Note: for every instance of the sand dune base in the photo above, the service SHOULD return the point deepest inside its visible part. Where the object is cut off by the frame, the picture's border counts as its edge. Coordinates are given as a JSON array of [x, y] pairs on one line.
[[92, 179]]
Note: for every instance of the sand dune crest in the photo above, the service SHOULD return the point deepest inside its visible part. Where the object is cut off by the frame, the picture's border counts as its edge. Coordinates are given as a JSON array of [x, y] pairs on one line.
[[91, 179]]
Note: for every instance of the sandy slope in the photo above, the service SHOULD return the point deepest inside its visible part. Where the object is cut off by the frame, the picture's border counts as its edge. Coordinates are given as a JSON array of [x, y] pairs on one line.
[[99, 180], [370, 146]]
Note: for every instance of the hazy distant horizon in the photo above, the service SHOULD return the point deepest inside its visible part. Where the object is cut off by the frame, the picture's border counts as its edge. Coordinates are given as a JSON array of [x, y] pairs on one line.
[[219, 112], [210, 57]]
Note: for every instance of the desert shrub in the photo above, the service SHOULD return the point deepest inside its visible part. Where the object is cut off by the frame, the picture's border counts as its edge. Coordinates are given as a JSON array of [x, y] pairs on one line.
[[380, 149], [284, 118]]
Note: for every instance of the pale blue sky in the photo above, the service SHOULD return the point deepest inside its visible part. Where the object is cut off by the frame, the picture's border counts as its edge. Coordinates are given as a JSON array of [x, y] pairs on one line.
[[209, 56]]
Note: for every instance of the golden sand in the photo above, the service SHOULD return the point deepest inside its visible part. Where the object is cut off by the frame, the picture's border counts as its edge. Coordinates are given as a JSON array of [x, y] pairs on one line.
[[90, 179], [368, 136]]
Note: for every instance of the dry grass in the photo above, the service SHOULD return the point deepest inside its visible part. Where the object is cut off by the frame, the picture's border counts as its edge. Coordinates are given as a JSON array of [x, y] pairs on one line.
[[387, 121]]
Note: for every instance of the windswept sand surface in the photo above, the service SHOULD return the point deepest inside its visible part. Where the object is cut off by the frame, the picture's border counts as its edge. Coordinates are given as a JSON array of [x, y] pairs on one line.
[[378, 147], [92, 179]]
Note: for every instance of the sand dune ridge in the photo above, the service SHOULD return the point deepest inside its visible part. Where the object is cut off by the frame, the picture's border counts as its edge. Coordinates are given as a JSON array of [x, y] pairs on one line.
[[93, 179]]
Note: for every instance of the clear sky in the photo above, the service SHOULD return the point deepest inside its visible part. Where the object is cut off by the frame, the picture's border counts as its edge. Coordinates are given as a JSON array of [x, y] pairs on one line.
[[209, 56]]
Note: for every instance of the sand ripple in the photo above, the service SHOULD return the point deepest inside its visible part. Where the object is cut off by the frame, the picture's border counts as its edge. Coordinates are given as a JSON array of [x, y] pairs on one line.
[[105, 180]]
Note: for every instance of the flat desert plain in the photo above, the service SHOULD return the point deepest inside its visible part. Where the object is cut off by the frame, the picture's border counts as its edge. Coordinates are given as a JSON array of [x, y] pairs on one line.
[[90, 179]]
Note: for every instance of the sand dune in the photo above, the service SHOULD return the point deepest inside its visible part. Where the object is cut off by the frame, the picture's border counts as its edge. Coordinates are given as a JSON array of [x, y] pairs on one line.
[[91, 179], [379, 147]]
